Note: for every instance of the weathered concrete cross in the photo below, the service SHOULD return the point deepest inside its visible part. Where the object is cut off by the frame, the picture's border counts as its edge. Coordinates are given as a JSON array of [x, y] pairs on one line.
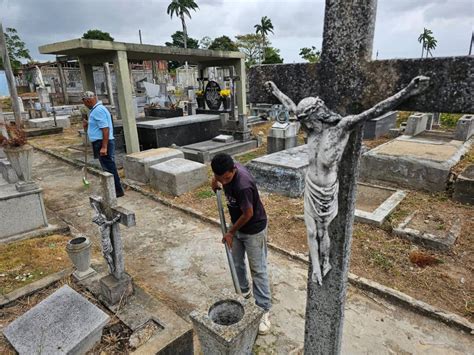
[[108, 216], [349, 83]]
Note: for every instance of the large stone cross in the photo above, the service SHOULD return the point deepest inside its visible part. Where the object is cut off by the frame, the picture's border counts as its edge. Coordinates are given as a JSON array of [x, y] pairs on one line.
[[108, 216], [349, 83]]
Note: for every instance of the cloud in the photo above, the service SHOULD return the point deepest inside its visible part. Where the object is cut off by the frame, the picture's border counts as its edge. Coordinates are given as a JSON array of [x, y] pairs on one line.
[[298, 23]]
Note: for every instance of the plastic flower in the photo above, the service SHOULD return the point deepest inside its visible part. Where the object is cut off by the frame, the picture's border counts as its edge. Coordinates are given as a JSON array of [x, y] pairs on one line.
[[225, 93]]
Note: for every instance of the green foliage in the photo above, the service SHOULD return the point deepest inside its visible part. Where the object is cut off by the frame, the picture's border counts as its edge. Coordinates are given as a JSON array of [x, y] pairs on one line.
[[272, 56], [177, 40], [312, 55], [428, 42], [98, 34], [16, 48], [264, 27], [250, 45], [180, 8], [203, 194], [380, 260], [224, 43], [449, 120]]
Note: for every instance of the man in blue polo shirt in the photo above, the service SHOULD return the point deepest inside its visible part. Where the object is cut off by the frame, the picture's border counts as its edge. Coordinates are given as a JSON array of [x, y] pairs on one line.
[[100, 132]]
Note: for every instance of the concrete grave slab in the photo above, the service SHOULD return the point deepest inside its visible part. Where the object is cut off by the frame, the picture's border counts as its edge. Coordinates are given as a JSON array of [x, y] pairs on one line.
[[223, 138], [136, 165], [464, 128], [177, 176], [464, 186], [380, 126], [281, 172], [420, 162], [416, 124], [20, 212], [63, 323], [375, 203], [46, 122], [178, 130], [438, 240], [203, 152]]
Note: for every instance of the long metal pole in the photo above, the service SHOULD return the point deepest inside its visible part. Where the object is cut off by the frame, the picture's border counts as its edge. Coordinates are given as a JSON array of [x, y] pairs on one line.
[[230, 260], [10, 78]]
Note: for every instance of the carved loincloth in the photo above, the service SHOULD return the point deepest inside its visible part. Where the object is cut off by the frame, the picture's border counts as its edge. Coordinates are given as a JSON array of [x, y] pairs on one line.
[[320, 203]]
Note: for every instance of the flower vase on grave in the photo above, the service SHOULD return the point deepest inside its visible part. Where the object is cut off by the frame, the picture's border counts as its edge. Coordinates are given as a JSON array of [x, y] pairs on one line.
[[201, 102], [21, 160], [225, 98]]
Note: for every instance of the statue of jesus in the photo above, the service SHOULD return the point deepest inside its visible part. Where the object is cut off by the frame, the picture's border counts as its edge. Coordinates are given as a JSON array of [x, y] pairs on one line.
[[328, 133]]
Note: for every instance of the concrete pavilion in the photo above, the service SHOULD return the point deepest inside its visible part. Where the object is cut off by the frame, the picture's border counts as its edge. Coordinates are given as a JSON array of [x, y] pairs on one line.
[[95, 52]]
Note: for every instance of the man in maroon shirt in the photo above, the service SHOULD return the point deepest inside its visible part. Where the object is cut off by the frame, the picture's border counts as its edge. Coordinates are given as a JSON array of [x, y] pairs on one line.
[[248, 234]]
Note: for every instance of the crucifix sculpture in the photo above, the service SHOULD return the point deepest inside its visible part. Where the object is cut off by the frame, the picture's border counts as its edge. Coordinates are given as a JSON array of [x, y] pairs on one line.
[[108, 216], [349, 82], [328, 133]]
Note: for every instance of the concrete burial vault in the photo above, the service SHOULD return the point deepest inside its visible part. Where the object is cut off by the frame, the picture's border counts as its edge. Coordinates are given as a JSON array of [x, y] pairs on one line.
[[94, 52]]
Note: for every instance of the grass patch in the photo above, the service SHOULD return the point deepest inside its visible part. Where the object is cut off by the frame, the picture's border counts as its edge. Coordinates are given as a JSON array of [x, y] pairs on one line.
[[380, 260], [203, 194], [30, 260]]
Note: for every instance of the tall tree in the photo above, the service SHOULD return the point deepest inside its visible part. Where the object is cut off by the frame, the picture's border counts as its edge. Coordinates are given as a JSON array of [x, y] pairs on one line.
[[180, 8], [16, 48], [272, 56], [428, 42], [312, 55], [250, 45], [264, 28], [98, 34], [224, 43]]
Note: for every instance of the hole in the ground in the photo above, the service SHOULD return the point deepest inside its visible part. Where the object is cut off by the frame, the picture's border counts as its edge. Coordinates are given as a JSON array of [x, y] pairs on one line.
[[226, 312]]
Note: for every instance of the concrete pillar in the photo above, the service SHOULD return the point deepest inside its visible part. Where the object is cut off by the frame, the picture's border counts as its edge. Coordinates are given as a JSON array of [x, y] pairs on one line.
[[108, 84], [87, 76], [125, 101], [10, 78], [241, 86], [62, 81]]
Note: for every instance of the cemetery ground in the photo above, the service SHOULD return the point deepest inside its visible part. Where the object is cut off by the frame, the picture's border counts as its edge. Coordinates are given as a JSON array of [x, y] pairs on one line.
[[179, 260], [377, 254]]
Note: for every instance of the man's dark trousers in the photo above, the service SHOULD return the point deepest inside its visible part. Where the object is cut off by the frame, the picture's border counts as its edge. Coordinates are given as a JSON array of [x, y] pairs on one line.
[[107, 162]]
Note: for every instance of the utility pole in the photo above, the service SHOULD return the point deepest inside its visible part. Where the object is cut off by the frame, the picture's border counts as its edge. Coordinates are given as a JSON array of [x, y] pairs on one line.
[[140, 35], [472, 40], [10, 78]]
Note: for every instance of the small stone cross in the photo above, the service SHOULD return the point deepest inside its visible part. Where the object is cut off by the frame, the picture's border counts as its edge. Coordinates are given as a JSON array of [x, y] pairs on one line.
[[108, 216]]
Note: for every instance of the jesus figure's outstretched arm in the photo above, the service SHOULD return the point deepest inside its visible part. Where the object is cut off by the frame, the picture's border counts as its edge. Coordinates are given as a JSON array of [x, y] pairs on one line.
[[416, 86]]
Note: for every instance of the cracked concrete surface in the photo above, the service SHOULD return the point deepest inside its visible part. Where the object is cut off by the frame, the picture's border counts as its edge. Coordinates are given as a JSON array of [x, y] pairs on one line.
[[180, 260]]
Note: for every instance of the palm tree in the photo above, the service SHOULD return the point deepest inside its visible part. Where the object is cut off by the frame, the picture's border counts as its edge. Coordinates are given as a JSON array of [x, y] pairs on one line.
[[181, 8], [264, 28], [428, 42]]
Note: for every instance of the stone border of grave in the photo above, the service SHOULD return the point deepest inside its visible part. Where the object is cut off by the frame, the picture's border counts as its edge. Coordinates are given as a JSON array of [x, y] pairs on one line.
[[428, 240], [34, 287], [50, 229], [390, 294], [378, 216]]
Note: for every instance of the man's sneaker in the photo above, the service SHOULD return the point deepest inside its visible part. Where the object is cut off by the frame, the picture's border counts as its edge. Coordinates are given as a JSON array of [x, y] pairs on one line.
[[264, 327], [247, 294]]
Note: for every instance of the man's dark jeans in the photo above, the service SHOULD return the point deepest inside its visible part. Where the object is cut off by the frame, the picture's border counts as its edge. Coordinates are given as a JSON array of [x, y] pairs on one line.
[[107, 162]]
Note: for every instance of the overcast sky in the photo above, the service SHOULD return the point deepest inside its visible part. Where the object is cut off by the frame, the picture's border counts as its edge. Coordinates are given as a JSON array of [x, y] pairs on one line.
[[298, 23]]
